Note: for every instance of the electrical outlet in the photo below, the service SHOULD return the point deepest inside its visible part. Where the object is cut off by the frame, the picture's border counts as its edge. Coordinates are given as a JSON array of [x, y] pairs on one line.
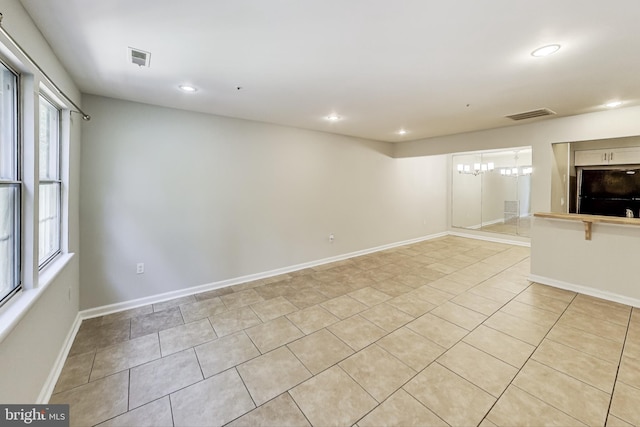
[[140, 268], [331, 238]]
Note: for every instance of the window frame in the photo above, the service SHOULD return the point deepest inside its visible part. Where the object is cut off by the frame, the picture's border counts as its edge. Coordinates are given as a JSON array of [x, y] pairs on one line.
[[16, 181], [58, 181]]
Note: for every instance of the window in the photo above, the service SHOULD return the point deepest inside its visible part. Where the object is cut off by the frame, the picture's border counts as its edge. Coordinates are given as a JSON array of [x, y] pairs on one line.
[[50, 188], [10, 185]]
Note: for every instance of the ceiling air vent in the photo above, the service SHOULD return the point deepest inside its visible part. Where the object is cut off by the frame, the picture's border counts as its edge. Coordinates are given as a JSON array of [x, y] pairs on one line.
[[532, 114], [139, 57]]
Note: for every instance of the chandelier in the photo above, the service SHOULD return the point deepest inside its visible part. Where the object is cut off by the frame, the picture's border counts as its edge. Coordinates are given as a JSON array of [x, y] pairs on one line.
[[516, 172], [478, 168]]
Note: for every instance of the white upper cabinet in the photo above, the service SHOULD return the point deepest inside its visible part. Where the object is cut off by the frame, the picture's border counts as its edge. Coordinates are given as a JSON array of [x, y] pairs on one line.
[[609, 156]]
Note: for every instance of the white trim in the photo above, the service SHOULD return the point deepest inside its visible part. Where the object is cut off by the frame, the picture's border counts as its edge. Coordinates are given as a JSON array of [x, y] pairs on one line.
[[126, 305], [587, 290], [19, 305], [52, 379], [490, 238]]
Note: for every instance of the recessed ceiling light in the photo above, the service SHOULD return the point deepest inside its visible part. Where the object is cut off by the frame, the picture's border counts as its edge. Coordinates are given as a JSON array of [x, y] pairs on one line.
[[613, 104], [188, 88], [402, 132], [333, 117], [546, 50]]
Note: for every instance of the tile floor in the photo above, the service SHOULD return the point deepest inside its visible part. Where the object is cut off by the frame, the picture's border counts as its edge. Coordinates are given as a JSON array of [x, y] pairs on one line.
[[443, 332]]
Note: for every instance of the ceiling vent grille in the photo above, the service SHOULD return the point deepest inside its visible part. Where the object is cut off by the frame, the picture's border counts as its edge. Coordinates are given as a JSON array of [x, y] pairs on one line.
[[139, 57], [531, 114]]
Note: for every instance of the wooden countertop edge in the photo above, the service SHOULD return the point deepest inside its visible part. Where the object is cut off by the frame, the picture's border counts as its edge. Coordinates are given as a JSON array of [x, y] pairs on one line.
[[589, 218]]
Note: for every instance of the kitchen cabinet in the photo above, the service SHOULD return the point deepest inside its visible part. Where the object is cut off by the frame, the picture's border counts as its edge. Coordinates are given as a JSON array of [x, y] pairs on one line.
[[608, 156]]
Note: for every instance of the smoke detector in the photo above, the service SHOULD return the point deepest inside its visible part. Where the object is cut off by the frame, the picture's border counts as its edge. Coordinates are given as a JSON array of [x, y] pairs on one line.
[[139, 57]]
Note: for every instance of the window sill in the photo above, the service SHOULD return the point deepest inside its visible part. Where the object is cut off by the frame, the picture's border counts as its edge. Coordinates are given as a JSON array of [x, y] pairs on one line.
[[16, 308]]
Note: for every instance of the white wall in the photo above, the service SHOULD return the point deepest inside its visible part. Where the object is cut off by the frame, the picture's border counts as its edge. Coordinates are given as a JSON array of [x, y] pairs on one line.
[[29, 352], [201, 198], [574, 261]]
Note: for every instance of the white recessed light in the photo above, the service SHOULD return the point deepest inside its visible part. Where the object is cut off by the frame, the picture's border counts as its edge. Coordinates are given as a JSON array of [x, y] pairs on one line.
[[613, 104], [333, 117], [402, 132], [546, 50], [188, 88]]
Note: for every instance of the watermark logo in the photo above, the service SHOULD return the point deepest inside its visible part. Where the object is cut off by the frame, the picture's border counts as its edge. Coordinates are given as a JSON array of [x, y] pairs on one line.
[[34, 415]]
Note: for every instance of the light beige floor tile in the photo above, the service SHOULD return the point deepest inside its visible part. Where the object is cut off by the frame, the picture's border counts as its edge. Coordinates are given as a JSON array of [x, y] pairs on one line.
[[517, 327], [613, 421], [487, 423], [502, 281], [273, 334], [596, 372], [212, 402], [214, 293], [629, 372], [411, 348], [272, 308], [602, 309], [546, 303], [455, 283], [233, 321], [494, 294], [332, 398], [611, 331], [271, 374], [369, 296], [320, 350], [412, 306], [632, 343], [452, 398], [303, 298], [551, 292], [184, 336], [173, 303], [357, 332], [387, 317], [575, 398], [153, 414], [530, 313], [391, 287], [92, 335], [624, 404], [163, 376], [344, 306], [438, 330], [279, 412], [332, 289], [226, 352], [274, 290], [588, 343], [128, 354], [312, 319], [241, 299], [443, 268], [478, 367], [477, 303], [401, 410], [126, 314], [458, 315], [377, 371], [154, 322], [506, 348], [75, 372], [96, 401], [518, 408], [202, 309], [411, 280], [432, 295]]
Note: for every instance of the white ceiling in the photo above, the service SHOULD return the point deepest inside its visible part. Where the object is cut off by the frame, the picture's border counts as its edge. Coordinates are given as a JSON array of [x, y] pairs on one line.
[[431, 67]]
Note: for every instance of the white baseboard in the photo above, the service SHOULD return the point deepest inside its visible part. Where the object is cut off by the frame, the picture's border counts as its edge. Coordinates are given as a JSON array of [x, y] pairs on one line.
[[488, 238], [153, 299], [594, 292], [52, 379]]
